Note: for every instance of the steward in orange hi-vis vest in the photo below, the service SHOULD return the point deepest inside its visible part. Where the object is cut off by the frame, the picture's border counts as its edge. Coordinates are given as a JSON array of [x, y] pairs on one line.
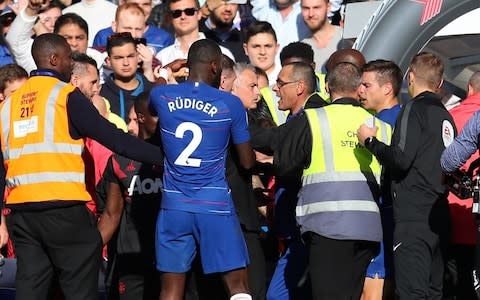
[[43, 162]]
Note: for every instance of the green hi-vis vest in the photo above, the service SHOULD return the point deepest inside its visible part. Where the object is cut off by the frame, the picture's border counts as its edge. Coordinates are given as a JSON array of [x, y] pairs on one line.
[[341, 186]]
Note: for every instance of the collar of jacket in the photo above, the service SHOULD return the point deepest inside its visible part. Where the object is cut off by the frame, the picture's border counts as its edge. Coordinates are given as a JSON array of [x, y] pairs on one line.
[[346, 100], [48, 72]]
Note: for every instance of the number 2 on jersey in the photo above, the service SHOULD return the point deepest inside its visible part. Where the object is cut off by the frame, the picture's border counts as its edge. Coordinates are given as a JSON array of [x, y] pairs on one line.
[[184, 158]]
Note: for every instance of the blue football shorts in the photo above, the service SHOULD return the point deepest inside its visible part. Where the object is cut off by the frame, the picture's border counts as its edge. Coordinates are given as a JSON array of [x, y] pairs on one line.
[[219, 238]]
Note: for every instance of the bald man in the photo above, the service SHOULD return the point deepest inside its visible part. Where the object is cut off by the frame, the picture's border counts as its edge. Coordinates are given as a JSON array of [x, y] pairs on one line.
[[352, 56]]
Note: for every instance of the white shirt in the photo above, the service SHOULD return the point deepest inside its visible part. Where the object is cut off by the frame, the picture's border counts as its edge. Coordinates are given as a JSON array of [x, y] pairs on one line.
[[288, 30], [272, 77], [173, 52], [98, 15], [21, 43]]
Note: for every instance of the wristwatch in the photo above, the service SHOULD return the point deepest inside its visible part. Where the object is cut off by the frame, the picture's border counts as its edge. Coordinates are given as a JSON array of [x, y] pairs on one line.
[[368, 140]]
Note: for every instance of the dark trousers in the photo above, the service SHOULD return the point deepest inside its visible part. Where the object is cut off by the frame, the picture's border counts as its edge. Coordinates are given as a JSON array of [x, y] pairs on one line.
[[458, 282], [419, 256], [257, 281], [62, 244], [338, 267], [132, 277]]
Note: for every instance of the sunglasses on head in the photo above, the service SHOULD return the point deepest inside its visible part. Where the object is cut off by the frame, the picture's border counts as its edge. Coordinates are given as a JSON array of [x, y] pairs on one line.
[[178, 12], [117, 35]]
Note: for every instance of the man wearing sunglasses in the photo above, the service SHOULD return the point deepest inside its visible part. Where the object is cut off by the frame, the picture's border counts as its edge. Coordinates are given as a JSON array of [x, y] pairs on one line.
[[185, 15]]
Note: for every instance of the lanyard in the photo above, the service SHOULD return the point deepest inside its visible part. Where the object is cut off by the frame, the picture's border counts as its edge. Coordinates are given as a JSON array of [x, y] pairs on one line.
[[134, 93]]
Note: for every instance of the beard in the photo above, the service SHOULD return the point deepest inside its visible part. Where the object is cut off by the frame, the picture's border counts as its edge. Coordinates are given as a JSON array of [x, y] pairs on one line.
[[317, 26], [220, 24], [283, 4]]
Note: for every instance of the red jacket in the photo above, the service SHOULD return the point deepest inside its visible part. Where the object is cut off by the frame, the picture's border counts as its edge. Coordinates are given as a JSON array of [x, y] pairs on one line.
[[464, 230]]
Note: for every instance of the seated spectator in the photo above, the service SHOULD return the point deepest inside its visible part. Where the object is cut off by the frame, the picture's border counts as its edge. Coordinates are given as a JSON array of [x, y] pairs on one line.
[[156, 37]]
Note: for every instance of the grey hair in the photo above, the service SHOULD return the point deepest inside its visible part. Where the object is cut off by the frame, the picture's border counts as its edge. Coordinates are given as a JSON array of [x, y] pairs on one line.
[[474, 81], [239, 68]]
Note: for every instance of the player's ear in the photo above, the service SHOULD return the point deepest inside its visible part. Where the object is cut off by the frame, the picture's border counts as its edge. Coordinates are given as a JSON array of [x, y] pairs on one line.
[[215, 67]]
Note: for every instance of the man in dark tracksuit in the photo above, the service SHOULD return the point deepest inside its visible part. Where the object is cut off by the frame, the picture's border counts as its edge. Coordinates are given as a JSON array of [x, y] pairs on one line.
[[130, 194], [424, 128]]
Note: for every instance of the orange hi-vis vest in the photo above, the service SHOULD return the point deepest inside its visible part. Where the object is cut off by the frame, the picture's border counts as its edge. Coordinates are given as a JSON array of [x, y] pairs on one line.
[[42, 161]]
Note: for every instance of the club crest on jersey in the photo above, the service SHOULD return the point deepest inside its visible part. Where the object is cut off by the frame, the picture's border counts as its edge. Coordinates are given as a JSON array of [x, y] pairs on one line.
[[447, 133]]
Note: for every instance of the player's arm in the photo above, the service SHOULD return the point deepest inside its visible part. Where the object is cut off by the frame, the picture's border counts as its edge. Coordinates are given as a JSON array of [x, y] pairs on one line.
[[110, 217], [114, 204], [245, 155], [240, 134], [400, 156], [85, 121], [464, 145]]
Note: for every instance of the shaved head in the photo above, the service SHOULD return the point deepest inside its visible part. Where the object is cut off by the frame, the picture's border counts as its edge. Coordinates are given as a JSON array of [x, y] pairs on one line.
[[352, 56], [51, 51]]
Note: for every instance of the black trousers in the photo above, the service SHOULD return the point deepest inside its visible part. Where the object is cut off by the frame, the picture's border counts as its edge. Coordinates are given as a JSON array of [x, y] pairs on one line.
[[458, 283], [132, 277], [419, 258], [60, 243], [338, 267]]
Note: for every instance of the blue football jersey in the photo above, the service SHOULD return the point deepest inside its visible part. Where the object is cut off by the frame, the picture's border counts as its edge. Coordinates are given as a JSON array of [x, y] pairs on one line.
[[196, 124]]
